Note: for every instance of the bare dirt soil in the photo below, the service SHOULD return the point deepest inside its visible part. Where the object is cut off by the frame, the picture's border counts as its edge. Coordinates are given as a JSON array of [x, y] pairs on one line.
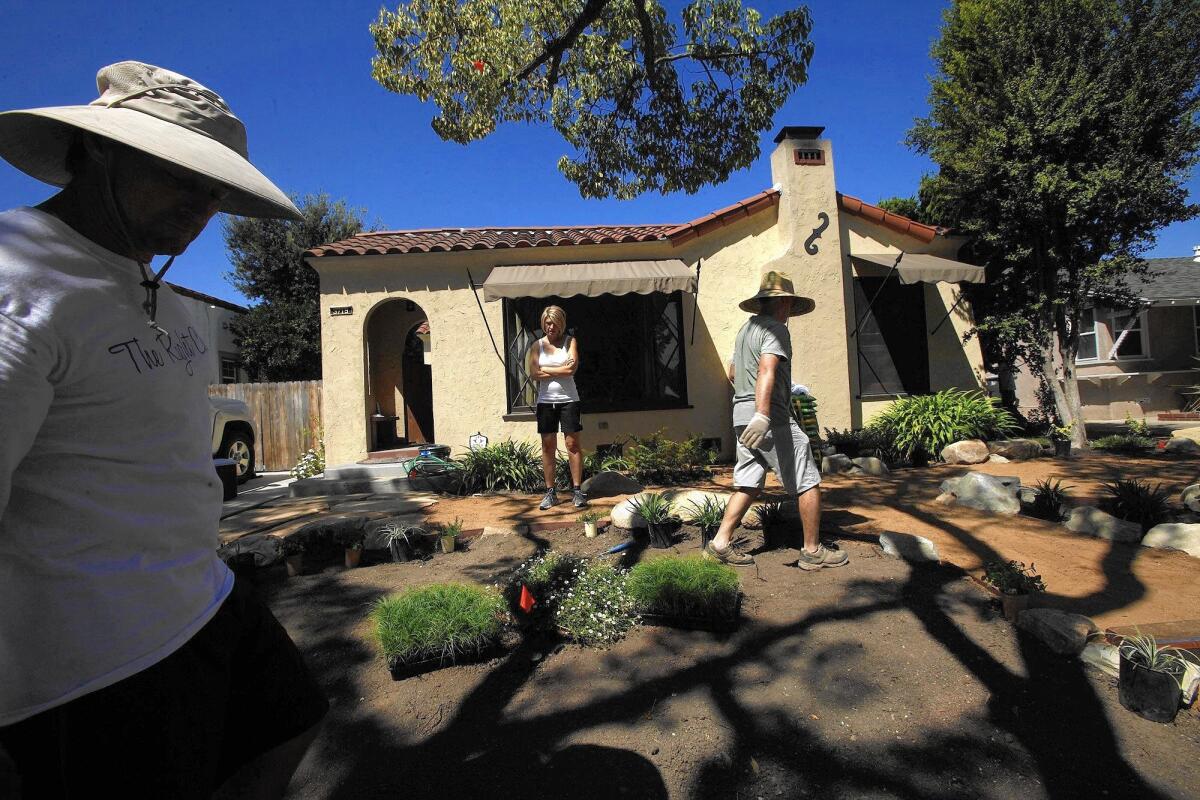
[[877, 680]]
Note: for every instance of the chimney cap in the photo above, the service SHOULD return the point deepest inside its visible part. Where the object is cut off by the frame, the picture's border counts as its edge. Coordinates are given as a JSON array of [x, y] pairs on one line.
[[799, 132]]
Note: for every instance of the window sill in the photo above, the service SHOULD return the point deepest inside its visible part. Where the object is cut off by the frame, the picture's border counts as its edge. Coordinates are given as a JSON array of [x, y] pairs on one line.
[[531, 416], [882, 396]]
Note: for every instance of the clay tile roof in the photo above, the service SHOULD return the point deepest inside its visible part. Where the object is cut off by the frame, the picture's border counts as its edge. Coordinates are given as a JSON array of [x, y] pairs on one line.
[[444, 240], [896, 222]]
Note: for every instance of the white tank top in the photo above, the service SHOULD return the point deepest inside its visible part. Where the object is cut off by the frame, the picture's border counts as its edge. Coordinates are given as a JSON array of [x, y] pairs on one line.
[[561, 388]]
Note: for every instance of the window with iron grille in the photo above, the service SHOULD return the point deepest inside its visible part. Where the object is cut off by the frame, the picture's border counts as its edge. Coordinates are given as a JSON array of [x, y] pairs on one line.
[[631, 353]]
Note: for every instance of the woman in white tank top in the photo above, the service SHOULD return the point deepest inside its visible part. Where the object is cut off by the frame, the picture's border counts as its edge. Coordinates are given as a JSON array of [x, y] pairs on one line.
[[553, 360]]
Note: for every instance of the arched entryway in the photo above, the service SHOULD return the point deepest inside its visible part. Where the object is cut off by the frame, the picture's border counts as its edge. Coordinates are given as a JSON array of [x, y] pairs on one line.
[[400, 386]]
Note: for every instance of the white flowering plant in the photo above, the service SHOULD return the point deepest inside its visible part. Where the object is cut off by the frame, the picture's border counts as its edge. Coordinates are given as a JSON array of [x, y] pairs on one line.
[[586, 600], [312, 462]]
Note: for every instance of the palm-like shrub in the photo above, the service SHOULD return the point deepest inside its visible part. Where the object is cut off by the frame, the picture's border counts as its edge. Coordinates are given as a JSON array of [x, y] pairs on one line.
[[446, 621], [660, 461], [930, 422], [1138, 502], [504, 466]]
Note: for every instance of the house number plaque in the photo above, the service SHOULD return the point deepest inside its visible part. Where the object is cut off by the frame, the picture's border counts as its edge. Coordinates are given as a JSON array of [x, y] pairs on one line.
[[341, 311]]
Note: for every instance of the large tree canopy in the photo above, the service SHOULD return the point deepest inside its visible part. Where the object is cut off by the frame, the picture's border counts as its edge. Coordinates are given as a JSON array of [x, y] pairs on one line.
[[280, 338], [1064, 131], [643, 107]]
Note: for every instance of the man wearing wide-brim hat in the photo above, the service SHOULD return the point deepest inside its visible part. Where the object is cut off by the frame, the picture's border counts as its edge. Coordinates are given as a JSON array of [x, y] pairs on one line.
[[768, 438], [130, 660]]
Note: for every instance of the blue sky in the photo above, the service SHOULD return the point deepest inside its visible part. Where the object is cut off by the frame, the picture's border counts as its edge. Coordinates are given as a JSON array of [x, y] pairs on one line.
[[299, 75]]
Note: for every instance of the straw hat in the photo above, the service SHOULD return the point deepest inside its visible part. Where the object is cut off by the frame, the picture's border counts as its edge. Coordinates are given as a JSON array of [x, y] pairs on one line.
[[777, 284], [159, 112]]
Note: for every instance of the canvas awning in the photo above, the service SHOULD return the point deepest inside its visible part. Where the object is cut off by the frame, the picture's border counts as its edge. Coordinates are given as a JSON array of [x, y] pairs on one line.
[[589, 280], [916, 268]]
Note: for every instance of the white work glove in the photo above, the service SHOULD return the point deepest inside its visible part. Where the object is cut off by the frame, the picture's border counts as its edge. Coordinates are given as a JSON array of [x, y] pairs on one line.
[[755, 431]]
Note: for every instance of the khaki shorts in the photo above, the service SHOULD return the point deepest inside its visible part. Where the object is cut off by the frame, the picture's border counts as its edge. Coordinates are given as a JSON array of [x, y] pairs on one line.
[[785, 451]]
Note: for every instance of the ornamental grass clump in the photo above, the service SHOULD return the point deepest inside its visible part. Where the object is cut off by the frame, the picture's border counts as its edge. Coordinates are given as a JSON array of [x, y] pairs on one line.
[[1126, 443], [448, 621], [596, 609], [685, 587], [502, 467], [656, 509], [1049, 500], [930, 422], [1136, 501]]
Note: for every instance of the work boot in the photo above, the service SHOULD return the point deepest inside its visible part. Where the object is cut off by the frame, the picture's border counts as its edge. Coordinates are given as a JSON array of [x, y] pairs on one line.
[[551, 499], [727, 555], [579, 498], [822, 558]]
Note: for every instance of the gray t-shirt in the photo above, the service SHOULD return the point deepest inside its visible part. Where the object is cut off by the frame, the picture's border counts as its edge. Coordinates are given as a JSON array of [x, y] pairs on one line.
[[761, 334]]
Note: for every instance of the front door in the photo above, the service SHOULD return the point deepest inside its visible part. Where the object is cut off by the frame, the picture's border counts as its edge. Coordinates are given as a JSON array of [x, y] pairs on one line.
[[418, 391]]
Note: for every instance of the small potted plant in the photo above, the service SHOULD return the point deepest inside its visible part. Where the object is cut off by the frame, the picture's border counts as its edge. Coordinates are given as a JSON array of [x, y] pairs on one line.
[[770, 516], [449, 535], [589, 520], [660, 518], [1150, 679], [1060, 435], [399, 540], [292, 548], [707, 517], [1014, 582]]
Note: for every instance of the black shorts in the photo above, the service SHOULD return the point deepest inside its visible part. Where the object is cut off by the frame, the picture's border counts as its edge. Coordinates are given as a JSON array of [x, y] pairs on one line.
[[182, 727], [551, 415]]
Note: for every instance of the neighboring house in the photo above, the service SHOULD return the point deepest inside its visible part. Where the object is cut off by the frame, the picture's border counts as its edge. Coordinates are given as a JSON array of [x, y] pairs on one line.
[[221, 359], [1139, 363], [654, 308]]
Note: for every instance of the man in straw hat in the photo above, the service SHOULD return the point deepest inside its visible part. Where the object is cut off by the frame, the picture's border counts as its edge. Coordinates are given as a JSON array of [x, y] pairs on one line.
[[767, 435], [130, 660]]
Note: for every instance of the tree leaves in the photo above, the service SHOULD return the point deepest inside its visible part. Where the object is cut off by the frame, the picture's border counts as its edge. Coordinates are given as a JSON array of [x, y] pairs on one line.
[[280, 337], [643, 107]]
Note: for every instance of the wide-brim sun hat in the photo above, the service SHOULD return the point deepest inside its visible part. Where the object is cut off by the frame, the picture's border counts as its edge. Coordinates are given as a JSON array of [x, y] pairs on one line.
[[159, 112], [777, 284]]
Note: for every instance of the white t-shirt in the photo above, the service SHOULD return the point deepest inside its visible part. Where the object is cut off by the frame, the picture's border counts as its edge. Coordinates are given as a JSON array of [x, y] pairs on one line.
[[109, 503]]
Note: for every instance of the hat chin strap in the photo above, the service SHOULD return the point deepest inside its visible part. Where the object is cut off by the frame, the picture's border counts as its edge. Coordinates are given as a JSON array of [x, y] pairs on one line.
[[150, 284]]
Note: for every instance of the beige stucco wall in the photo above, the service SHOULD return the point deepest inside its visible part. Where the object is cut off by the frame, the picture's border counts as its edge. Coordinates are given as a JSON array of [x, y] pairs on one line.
[[468, 378]]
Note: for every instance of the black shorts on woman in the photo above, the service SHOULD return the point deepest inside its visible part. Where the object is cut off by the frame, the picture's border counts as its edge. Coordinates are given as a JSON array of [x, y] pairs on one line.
[[553, 416]]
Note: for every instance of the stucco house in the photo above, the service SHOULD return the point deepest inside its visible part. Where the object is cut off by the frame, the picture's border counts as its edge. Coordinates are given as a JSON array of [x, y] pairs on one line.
[[407, 356], [1144, 362], [221, 361]]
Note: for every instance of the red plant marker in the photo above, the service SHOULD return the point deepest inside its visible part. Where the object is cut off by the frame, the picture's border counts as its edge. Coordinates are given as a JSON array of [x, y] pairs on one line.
[[527, 601], [478, 64]]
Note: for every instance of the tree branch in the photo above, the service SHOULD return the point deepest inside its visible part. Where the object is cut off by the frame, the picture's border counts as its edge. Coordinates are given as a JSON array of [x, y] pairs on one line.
[[555, 47], [718, 56]]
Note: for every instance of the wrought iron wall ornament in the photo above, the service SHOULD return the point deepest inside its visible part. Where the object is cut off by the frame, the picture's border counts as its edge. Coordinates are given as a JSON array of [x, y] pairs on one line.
[[809, 246]]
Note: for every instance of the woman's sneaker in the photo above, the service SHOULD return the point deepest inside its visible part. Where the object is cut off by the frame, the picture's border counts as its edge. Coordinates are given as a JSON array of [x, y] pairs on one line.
[[579, 498], [727, 555], [824, 557], [551, 499]]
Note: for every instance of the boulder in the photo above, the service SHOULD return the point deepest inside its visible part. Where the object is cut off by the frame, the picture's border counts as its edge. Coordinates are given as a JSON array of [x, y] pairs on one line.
[[1174, 536], [1015, 449], [836, 464], [995, 493], [263, 546], [996, 458], [1094, 522], [871, 465], [1190, 497], [1102, 656], [610, 484], [968, 451], [908, 547], [685, 501], [1182, 447], [1064, 633], [1187, 433]]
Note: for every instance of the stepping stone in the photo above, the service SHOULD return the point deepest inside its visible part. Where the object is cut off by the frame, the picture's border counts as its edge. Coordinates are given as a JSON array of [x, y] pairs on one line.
[[1064, 633], [908, 547]]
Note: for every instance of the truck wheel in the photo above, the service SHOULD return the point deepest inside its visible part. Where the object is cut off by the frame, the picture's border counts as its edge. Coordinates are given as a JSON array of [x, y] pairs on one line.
[[239, 447]]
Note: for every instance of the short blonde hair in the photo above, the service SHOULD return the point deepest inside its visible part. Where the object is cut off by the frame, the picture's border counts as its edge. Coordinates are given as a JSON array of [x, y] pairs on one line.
[[555, 315]]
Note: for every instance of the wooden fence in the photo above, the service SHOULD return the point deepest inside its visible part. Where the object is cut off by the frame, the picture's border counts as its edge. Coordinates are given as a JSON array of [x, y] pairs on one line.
[[286, 415]]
